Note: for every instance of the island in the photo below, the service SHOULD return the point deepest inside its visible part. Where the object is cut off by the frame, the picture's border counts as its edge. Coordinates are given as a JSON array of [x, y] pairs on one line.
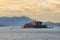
[[35, 24]]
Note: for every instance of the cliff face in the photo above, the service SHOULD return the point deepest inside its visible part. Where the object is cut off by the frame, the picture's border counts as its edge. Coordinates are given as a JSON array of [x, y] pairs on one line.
[[34, 24]]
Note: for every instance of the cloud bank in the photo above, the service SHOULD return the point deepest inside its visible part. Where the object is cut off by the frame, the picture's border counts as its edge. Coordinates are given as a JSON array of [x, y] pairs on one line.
[[42, 10]]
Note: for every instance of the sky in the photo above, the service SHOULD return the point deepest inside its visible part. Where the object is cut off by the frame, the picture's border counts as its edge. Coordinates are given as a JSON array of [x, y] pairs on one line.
[[41, 10]]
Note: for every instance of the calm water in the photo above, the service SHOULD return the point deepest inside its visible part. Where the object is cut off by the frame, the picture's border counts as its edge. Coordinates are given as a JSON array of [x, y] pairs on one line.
[[29, 34]]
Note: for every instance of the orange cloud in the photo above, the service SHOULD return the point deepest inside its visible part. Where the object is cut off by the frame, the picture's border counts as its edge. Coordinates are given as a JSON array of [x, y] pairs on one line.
[[41, 9]]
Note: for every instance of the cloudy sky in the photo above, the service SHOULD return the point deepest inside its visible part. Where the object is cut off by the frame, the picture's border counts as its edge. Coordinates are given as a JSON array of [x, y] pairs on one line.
[[42, 10]]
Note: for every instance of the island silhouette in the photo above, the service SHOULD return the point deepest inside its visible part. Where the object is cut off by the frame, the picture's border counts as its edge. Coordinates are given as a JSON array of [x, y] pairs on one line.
[[35, 24]]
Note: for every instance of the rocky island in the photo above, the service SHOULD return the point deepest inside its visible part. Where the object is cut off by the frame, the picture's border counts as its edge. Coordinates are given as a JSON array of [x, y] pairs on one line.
[[34, 24]]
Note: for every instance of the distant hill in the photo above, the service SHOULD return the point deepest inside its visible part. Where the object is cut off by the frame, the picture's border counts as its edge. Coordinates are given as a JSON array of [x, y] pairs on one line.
[[58, 24], [51, 24], [19, 21], [14, 21]]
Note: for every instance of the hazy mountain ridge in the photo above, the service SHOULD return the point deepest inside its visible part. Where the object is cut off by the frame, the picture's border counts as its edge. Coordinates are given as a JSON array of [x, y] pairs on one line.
[[51, 24], [19, 21], [14, 21]]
